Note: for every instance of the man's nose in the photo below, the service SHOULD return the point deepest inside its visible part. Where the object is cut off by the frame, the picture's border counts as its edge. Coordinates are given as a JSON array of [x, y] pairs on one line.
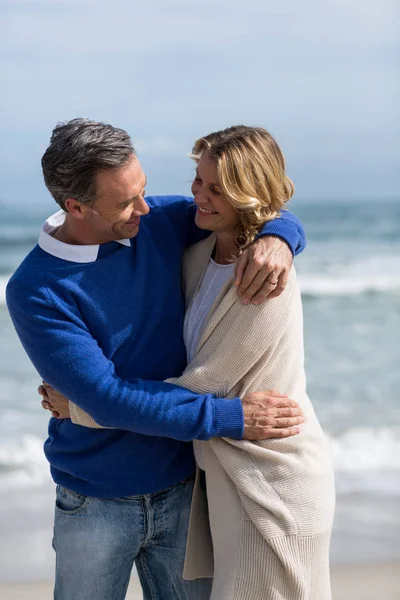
[[141, 208]]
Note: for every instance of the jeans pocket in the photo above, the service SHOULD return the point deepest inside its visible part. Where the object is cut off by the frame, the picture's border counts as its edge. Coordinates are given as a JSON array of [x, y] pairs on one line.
[[69, 502]]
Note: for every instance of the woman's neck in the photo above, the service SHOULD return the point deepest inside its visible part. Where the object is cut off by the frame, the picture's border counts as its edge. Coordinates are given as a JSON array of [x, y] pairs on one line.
[[225, 248]]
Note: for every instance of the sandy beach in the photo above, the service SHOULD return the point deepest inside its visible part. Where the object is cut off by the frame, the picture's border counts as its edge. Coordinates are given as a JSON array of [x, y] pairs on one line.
[[349, 582]]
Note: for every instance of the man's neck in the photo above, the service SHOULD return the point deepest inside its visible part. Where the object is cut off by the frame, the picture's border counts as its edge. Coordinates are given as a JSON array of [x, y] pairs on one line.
[[75, 233]]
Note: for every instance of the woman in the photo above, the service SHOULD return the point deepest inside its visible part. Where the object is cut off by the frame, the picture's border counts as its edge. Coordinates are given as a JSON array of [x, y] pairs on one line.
[[270, 503]]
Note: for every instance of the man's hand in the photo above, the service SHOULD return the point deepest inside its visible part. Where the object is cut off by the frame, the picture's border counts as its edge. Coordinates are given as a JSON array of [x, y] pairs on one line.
[[263, 269], [270, 415], [53, 401]]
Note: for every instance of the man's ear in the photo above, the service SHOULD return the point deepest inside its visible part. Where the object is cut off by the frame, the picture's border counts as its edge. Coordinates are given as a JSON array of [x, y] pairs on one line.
[[75, 208]]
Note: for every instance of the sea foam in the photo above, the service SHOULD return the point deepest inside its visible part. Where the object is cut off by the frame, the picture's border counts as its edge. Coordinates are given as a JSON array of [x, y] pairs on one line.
[[320, 285], [365, 459], [3, 284]]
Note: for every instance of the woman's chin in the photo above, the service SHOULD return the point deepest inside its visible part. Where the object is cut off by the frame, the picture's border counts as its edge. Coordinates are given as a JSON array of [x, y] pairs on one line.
[[203, 222]]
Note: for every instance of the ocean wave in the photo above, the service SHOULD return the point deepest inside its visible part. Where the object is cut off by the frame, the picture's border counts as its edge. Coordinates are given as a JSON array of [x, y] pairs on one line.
[[3, 285], [347, 273], [333, 285], [23, 463], [365, 459], [367, 449]]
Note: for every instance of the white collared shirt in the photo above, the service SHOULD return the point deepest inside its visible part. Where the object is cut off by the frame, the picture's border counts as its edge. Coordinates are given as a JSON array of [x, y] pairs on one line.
[[71, 252]]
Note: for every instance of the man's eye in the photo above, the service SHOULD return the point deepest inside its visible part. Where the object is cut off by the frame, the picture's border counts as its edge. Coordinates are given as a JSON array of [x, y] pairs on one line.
[[197, 179]]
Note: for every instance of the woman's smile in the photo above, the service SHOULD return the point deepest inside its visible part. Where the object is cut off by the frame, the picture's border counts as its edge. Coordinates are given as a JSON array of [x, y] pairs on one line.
[[204, 211]]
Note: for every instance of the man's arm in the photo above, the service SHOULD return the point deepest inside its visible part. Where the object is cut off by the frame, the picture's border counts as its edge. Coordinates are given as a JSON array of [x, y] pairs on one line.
[[69, 358], [262, 270], [287, 227]]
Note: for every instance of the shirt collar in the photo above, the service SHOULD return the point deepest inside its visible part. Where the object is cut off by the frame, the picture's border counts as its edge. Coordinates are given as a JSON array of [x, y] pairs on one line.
[[70, 252]]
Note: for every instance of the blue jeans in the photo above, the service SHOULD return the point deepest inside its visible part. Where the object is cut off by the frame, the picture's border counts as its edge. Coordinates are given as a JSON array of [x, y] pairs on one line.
[[97, 540]]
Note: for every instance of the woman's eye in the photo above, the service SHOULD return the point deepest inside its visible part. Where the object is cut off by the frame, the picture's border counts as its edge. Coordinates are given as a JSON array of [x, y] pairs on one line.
[[214, 191], [197, 180]]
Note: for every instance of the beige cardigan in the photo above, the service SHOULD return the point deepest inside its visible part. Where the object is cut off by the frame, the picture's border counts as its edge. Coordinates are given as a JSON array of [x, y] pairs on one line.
[[285, 485]]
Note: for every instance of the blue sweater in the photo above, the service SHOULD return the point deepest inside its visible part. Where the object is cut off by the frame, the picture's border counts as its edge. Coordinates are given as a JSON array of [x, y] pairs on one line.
[[106, 333]]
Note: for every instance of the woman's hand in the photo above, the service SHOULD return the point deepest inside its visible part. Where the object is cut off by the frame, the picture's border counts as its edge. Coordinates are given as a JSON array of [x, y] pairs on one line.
[[54, 401], [262, 270]]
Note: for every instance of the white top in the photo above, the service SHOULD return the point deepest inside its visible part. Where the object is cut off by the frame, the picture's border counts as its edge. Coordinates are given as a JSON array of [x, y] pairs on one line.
[[214, 278]]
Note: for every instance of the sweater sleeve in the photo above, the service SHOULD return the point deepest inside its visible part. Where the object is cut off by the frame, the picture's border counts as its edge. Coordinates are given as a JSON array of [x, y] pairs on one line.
[[67, 356], [287, 226]]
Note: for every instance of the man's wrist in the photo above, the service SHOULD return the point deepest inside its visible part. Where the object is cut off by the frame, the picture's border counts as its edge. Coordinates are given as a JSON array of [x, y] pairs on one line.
[[286, 233], [228, 418]]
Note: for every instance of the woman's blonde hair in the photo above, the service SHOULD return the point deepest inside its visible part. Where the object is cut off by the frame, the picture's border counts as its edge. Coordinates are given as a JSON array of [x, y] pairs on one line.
[[251, 172]]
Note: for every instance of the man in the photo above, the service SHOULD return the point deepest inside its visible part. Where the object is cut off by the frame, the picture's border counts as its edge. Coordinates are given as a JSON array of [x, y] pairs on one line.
[[99, 310]]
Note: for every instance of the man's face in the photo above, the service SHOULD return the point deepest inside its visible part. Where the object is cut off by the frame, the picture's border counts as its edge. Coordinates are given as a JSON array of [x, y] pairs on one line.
[[120, 203]]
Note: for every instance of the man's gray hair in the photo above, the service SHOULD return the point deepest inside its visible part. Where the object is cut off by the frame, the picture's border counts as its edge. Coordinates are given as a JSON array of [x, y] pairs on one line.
[[77, 150]]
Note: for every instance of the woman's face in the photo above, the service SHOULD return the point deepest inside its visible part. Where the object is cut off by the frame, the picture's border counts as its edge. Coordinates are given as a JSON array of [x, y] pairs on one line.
[[214, 211]]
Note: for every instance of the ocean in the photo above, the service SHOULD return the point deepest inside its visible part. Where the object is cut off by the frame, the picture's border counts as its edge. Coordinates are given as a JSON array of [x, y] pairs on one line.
[[350, 280]]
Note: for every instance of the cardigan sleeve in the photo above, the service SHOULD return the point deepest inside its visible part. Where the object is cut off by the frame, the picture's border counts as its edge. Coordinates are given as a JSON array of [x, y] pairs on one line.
[[236, 342]]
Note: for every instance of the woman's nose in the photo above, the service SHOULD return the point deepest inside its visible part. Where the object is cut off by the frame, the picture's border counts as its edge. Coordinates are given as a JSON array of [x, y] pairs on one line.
[[200, 196]]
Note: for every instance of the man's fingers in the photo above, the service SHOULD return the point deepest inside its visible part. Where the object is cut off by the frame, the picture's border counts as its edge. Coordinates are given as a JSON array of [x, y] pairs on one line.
[[252, 271], [269, 433], [285, 412], [265, 421], [282, 283], [240, 268], [259, 285], [284, 403], [267, 287], [288, 422], [281, 433], [276, 393]]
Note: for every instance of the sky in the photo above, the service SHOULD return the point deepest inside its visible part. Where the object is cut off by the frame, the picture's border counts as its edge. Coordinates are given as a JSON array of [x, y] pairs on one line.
[[321, 75]]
